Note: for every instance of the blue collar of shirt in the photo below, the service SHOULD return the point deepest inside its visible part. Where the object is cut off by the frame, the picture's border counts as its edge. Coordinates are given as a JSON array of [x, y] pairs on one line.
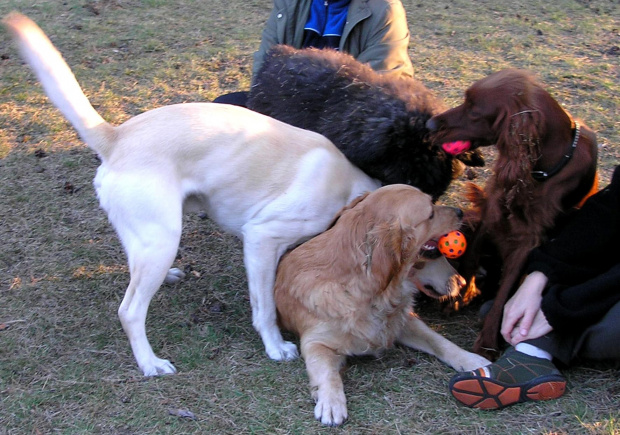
[[328, 17]]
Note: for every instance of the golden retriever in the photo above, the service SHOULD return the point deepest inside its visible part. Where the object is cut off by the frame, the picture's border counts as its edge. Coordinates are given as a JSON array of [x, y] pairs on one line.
[[346, 292]]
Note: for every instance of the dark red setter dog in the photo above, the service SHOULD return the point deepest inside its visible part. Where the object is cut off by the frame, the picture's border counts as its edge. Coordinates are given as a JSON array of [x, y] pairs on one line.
[[546, 166]]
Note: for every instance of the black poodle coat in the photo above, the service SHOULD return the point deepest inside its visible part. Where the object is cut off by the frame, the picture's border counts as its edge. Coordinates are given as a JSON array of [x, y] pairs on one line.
[[378, 122]]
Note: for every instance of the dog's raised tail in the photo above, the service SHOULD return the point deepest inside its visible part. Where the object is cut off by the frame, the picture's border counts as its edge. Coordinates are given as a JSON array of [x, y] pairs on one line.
[[59, 82]]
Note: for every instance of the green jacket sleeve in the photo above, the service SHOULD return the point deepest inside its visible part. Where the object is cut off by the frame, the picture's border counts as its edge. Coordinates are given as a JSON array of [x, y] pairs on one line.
[[379, 36], [285, 25]]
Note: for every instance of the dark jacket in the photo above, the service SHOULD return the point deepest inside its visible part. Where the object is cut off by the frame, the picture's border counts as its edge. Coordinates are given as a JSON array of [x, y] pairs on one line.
[[583, 263], [376, 32]]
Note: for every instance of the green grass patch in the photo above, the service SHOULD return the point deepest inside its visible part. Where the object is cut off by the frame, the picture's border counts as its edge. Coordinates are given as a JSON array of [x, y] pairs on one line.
[[65, 363]]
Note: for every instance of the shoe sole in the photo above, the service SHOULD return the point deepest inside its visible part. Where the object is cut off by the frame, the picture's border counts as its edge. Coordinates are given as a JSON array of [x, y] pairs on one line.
[[487, 393]]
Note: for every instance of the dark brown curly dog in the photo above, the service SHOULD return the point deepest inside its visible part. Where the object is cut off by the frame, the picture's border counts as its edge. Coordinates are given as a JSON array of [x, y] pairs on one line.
[[546, 165]]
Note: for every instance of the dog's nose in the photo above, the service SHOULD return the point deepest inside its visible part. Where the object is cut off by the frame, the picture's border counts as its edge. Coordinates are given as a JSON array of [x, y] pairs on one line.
[[432, 124]]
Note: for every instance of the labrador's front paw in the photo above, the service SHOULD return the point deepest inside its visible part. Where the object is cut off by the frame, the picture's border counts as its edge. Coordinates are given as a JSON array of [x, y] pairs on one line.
[[285, 351], [174, 276]]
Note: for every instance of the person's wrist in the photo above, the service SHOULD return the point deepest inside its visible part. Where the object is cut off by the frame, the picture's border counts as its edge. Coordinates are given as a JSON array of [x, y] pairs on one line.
[[536, 282]]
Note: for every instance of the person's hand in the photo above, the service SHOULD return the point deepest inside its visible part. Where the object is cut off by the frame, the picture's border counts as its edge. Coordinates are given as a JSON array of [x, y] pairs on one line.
[[538, 328], [523, 308]]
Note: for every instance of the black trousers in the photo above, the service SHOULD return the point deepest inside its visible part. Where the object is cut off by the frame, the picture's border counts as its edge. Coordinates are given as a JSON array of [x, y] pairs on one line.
[[600, 341]]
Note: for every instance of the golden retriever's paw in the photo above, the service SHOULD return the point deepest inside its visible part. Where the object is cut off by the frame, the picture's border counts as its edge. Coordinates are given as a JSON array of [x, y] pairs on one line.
[[331, 408], [471, 361], [285, 351]]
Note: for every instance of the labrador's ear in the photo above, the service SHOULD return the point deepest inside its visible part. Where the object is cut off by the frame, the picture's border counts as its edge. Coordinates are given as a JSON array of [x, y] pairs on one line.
[[347, 207]]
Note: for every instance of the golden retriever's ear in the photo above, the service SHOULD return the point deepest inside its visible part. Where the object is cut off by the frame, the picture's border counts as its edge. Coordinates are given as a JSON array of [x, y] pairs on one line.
[[347, 207], [393, 246], [385, 240], [408, 243]]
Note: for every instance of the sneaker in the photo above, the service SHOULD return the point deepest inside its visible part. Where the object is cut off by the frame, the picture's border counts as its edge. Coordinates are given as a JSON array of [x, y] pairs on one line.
[[515, 377]]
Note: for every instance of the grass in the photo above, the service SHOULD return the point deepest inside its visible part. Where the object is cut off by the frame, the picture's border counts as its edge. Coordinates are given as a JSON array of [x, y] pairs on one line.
[[65, 364]]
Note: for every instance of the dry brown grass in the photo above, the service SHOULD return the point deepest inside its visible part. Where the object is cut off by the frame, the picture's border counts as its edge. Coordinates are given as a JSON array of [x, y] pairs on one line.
[[65, 364]]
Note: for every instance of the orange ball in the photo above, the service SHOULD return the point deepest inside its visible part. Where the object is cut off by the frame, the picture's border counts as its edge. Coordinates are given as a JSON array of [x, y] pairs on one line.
[[452, 245]]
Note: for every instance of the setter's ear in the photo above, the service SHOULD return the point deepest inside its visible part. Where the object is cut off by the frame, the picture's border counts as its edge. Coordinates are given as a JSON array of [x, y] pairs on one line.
[[520, 125]]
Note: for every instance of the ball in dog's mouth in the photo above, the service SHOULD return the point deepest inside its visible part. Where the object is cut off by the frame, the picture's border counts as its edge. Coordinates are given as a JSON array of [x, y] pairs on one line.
[[453, 244], [456, 147]]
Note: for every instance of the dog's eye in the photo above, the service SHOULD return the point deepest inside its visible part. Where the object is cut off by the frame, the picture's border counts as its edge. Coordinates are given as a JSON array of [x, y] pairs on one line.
[[475, 115], [432, 215]]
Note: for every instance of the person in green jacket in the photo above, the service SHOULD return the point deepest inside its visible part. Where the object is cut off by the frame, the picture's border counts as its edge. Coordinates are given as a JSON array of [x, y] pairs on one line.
[[372, 31]]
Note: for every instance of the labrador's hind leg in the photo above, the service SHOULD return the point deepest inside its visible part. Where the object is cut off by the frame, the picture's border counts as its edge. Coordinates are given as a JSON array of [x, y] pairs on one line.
[[148, 271], [150, 231]]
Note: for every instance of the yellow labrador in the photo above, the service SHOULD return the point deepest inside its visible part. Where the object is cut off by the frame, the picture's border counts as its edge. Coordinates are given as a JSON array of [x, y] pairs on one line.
[[347, 292]]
